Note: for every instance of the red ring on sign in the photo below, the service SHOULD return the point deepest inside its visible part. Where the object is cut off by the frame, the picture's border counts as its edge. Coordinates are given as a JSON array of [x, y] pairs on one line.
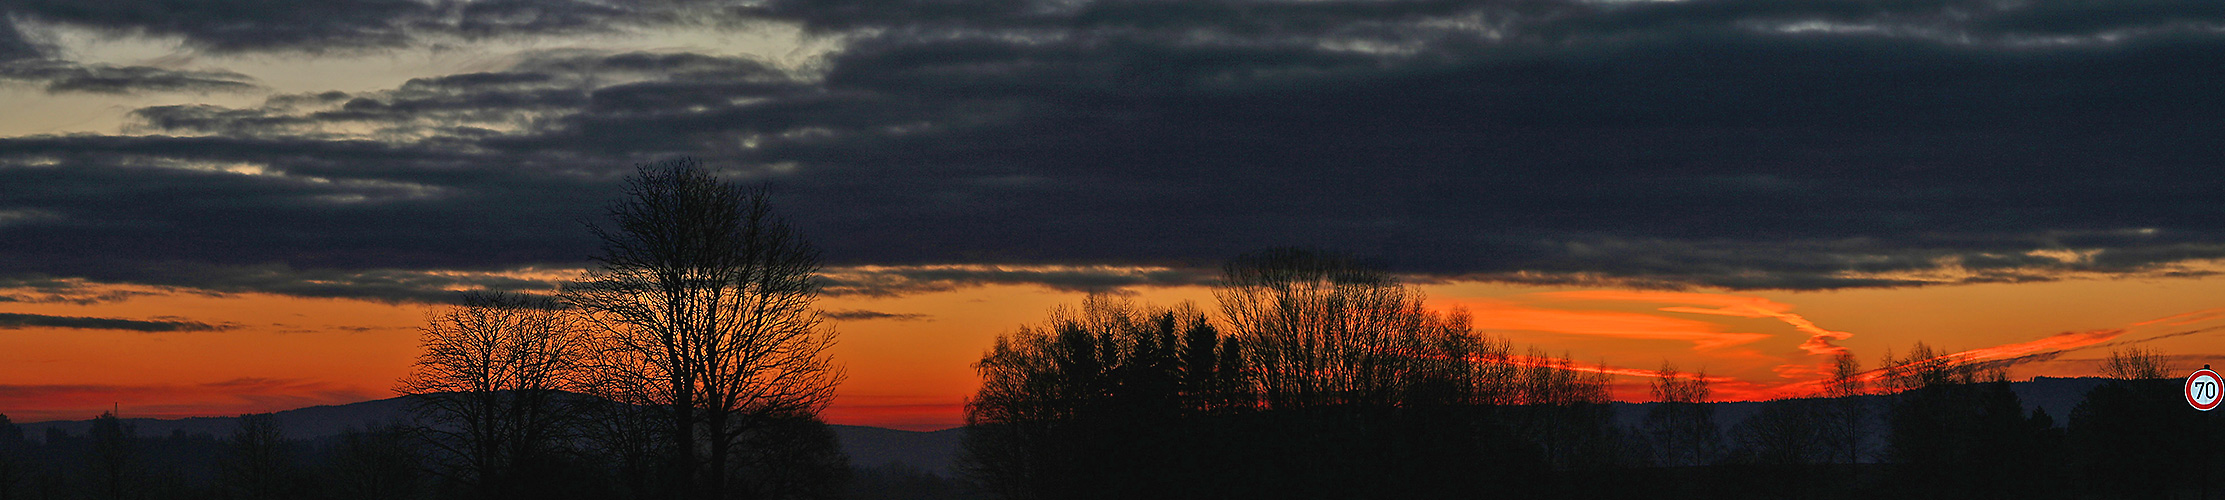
[[2215, 384]]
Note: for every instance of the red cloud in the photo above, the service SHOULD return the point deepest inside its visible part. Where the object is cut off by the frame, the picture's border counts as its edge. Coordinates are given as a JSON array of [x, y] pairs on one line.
[[2186, 318], [911, 417], [1819, 339], [1500, 315]]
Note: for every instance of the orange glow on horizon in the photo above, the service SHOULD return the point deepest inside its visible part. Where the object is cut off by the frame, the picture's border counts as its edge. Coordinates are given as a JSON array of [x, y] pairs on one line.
[[913, 369]]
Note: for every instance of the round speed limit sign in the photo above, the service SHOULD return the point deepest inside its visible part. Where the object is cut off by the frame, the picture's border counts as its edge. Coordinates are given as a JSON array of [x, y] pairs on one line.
[[2201, 389]]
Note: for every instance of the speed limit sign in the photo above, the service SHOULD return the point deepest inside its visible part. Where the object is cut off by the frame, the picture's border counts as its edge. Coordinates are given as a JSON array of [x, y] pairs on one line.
[[2201, 389]]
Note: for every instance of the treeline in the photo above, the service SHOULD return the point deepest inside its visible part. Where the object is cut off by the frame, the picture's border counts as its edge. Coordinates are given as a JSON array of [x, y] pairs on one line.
[[394, 460], [1324, 378], [688, 364], [112, 461]]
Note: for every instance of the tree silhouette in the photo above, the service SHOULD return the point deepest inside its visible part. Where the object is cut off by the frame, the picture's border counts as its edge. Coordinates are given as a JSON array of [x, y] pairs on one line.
[[702, 298], [1564, 410], [1846, 416], [114, 462], [1959, 432], [792, 457], [2130, 437], [1332, 381], [2134, 363], [1785, 432], [1680, 422], [1318, 329], [1066, 407], [489, 388], [382, 462], [257, 464], [12, 462], [1347, 362], [632, 439]]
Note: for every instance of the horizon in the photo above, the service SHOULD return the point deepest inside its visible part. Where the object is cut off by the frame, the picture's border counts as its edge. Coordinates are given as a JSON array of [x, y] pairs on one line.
[[901, 379], [210, 211], [127, 417]]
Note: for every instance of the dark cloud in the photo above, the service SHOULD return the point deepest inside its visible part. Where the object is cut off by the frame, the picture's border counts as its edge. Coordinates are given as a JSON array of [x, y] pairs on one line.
[[1729, 143], [865, 315], [76, 295], [13, 45], [18, 321], [484, 104], [64, 77], [22, 60], [2052, 354], [354, 25], [892, 281]]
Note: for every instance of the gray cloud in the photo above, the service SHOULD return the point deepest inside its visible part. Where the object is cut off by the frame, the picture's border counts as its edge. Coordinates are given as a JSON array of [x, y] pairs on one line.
[[523, 98], [355, 25], [865, 315], [78, 295], [1739, 144], [19, 321], [895, 281], [64, 77], [13, 45]]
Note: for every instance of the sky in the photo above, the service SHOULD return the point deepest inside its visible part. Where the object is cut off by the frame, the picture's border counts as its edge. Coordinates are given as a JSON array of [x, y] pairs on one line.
[[214, 207]]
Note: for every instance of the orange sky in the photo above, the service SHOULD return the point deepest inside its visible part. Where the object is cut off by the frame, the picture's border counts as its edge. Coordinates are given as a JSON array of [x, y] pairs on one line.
[[281, 352]]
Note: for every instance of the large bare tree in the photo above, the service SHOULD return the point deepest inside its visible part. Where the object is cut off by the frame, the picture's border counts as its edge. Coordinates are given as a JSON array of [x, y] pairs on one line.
[[703, 302], [490, 386], [1319, 329]]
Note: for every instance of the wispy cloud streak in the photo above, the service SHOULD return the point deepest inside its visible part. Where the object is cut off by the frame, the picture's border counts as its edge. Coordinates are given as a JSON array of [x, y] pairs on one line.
[[12, 321], [1819, 338]]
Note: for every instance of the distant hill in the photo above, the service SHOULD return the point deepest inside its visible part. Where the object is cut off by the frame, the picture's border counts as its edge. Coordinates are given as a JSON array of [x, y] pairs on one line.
[[2054, 394], [866, 446], [930, 451], [935, 452], [2057, 395]]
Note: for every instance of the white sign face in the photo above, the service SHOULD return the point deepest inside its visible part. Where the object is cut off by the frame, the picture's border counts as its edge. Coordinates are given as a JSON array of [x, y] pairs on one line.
[[2202, 389]]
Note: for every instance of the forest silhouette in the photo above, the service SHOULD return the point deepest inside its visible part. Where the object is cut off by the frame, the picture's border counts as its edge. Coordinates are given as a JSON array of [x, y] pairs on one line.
[[1325, 378], [691, 364]]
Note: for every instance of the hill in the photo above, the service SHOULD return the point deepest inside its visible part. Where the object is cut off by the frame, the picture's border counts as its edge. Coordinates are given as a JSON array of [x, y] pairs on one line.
[[935, 451], [866, 446]]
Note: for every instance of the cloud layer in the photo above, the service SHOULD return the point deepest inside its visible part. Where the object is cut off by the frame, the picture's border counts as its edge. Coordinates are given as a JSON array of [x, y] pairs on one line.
[[1741, 144], [11, 321]]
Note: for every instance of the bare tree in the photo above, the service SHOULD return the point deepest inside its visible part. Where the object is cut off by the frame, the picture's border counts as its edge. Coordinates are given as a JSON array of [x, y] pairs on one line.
[[490, 386], [256, 463], [2134, 363], [12, 448], [702, 302], [1673, 386], [631, 432], [114, 463], [1958, 430], [2129, 438], [793, 458], [1785, 432], [380, 462], [1564, 410], [1318, 329], [1067, 408], [1680, 421], [1847, 413], [1928, 367]]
